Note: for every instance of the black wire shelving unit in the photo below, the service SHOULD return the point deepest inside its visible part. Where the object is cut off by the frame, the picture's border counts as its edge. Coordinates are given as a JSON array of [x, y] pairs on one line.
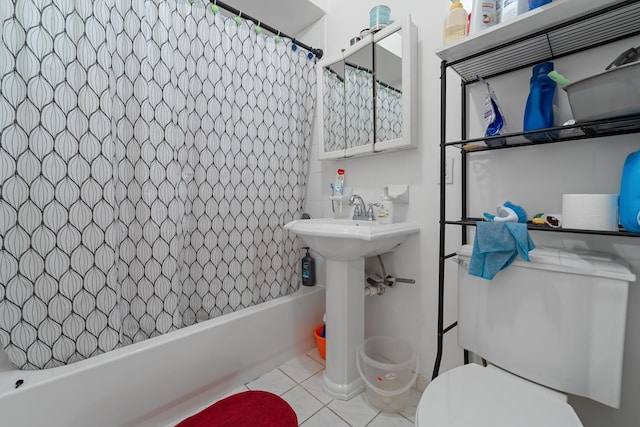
[[472, 58]]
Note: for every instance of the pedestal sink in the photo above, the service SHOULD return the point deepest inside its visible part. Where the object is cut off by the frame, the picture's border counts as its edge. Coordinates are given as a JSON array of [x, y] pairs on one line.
[[345, 244]]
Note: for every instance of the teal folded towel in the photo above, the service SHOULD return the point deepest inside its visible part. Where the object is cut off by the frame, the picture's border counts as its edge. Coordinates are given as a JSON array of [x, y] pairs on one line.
[[496, 246]]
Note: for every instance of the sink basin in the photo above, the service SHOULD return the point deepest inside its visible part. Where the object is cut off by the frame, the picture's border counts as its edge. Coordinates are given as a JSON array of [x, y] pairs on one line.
[[344, 239]]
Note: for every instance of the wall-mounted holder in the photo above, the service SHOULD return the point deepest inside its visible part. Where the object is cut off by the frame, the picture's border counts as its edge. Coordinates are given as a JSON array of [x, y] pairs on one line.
[[399, 193], [346, 193], [340, 204]]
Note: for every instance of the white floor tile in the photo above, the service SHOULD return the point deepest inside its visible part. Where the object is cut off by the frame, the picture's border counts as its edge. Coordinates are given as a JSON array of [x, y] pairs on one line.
[[314, 386], [315, 355], [384, 419], [357, 411], [325, 418], [410, 411], [235, 391], [299, 382], [301, 368], [276, 382], [302, 402]]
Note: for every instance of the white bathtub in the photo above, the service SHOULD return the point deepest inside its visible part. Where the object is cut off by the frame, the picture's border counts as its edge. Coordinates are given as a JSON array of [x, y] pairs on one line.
[[154, 382]]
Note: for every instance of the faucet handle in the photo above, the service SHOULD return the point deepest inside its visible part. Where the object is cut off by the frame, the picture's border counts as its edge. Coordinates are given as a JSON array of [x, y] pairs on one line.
[[370, 213]]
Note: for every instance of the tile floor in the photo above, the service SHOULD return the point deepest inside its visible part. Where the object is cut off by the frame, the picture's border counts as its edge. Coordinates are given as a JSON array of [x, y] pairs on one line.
[[298, 381]]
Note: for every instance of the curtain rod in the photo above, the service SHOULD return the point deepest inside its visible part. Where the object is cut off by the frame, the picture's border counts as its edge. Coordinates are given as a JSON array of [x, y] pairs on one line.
[[381, 83], [317, 52]]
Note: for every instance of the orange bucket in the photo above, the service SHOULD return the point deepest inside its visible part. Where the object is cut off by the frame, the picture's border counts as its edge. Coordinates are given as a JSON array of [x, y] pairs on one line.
[[320, 342]]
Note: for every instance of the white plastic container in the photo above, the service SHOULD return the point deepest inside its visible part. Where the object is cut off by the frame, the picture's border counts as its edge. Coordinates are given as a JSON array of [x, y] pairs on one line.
[[605, 95], [590, 211], [483, 15], [456, 23], [513, 8], [389, 367]]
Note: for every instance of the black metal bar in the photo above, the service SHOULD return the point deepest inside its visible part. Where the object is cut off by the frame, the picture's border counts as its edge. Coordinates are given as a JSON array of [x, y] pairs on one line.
[[317, 52], [585, 130], [463, 161], [441, 248], [533, 227], [335, 73], [381, 83], [450, 327]]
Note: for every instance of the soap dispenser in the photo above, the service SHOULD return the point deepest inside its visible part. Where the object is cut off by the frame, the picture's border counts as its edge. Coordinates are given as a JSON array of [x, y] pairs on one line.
[[385, 213]]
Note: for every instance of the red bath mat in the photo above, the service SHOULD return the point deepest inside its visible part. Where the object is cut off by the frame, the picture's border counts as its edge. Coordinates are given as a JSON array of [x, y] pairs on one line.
[[246, 409]]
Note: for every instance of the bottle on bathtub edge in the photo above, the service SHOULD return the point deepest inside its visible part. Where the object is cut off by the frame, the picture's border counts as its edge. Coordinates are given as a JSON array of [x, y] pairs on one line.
[[308, 269]]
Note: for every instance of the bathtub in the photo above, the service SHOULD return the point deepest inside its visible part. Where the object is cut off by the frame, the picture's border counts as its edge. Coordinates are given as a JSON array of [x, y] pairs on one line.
[[166, 378]]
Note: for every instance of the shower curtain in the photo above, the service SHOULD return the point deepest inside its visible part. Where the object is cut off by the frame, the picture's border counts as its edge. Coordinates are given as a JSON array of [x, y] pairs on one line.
[[150, 152]]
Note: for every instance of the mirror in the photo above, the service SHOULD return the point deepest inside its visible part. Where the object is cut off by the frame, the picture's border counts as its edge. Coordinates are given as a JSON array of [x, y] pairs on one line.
[[359, 98], [367, 95], [333, 107], [388, 66]]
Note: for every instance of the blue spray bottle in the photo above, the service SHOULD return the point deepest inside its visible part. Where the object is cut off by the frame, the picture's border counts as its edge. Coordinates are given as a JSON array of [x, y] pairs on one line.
[[538, 113], [629, 199]]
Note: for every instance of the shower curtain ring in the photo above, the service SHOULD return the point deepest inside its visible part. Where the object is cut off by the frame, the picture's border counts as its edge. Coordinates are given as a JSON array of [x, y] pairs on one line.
[[278, 37], [294, 46], [239, 18], [258, 29], [214, 7]]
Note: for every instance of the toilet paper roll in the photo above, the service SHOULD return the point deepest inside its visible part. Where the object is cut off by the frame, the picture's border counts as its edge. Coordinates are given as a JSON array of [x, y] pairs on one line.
[[590, 211]]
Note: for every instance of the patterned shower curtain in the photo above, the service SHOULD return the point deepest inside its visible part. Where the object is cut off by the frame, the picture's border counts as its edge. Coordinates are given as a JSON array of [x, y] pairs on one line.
[[150, 152], [388, 113], [333, 104], [359, 106]]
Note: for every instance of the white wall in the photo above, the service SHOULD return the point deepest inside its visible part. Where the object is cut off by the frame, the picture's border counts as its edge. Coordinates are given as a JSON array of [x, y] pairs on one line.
[[409, 311]]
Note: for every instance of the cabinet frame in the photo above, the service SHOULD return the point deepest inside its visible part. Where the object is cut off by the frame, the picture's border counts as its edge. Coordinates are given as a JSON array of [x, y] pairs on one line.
[[409, 86]]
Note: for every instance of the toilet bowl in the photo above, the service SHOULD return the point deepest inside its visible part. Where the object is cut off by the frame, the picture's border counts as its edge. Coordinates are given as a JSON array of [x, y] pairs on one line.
[[471, 395]]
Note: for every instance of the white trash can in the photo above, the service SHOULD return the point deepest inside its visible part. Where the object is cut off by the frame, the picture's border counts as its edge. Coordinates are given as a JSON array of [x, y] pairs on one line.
[[389, 367]]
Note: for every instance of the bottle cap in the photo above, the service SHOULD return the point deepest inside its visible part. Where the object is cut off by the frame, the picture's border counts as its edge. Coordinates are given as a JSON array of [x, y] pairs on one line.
[[456, 4], [385, 195]]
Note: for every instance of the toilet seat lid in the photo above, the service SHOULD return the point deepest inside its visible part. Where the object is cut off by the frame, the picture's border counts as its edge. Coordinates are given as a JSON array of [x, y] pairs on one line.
[[471, 395]]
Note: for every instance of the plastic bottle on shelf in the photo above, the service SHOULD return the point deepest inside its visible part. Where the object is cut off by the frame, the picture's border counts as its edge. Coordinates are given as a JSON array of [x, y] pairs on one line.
[[539, 111], [537, 3], [484, 14], [456, 23], [513, 8], [629, 199]]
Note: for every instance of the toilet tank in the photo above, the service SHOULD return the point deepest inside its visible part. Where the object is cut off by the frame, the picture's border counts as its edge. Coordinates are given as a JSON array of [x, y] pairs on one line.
[[558, 321]]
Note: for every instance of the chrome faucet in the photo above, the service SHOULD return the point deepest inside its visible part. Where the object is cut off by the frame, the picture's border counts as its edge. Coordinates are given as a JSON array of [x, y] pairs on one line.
[[360, 210]]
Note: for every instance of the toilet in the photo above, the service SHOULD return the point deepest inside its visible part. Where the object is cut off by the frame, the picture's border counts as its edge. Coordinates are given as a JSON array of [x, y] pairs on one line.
[[548, 328]]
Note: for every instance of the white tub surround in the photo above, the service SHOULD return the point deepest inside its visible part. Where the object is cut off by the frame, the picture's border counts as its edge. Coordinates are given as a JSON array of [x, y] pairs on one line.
[[158, 380]]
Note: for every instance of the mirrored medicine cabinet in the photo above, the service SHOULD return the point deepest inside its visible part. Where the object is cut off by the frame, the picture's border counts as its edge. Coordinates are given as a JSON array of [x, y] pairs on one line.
[[367, 95]]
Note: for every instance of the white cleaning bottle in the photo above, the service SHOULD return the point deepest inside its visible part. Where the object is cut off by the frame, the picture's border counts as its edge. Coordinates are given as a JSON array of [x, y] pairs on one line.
[[456, 23], [483, 15], [513, 8], [385, 213]]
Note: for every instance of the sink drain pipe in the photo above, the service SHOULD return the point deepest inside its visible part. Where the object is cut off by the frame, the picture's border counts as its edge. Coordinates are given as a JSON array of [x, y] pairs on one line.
[[376, 285]]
